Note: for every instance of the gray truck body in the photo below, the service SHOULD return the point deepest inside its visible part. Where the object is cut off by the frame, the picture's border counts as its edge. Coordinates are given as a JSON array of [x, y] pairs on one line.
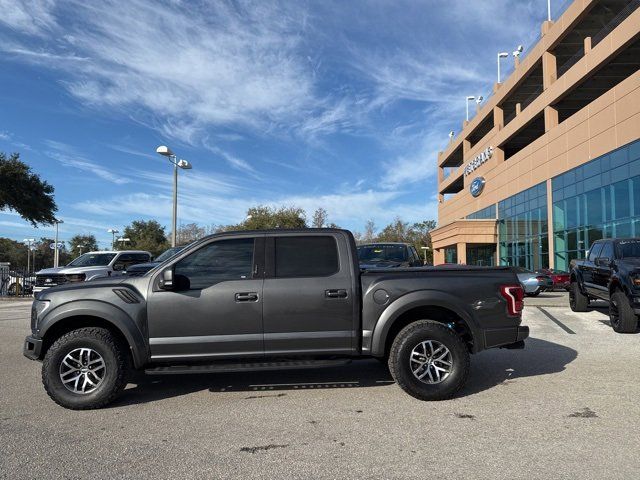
[[348, 313]]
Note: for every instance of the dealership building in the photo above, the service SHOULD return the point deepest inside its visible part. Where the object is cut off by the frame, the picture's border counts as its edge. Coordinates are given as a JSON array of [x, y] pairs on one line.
[[551, 161]]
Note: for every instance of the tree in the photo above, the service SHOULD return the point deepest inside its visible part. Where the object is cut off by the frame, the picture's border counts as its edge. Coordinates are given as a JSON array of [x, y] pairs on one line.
[[416, 234], [43, 254], [190, 233], [13, 252], [397, 231], [369, 232], [23, 191], [319, 218], [84, 243], [146, 235]]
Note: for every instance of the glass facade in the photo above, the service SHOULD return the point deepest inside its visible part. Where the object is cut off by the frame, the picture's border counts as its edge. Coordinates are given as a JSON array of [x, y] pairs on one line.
[[483, 255], [451, 254], [486, 213], [600, 199], [523, 229]]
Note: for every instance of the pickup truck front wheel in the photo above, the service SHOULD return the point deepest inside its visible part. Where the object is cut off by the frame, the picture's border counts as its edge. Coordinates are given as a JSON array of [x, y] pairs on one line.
[[429, 361], [85, 369], [621, 315], [578, 301]]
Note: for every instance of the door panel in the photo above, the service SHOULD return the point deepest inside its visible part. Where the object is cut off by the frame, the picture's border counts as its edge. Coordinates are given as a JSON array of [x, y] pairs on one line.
[[217, 313], [308, 314]]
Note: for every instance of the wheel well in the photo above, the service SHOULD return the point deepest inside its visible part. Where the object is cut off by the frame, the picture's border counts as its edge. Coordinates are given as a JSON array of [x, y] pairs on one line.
[[439, 314], [72, 323]]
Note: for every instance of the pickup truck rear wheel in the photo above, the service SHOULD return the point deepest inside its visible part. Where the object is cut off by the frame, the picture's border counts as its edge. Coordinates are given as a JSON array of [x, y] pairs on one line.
[[85, 369], [621, 315], [429, 361], [578, 301]]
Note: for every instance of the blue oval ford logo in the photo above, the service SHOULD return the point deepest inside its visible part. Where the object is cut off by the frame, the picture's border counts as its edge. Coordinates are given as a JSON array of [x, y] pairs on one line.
[[477, 186]]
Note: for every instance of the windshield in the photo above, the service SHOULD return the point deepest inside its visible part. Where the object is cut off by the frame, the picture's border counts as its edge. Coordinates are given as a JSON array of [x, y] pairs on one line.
[[92, 260], [168, 254], [382, 253], [629, 248]]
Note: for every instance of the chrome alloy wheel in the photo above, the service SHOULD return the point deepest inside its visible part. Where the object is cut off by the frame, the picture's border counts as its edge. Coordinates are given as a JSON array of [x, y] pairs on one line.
[[82, 370], [431, 362]]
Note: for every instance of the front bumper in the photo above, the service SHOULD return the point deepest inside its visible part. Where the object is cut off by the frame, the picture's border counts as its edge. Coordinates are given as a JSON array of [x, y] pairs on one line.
[[32, 347]]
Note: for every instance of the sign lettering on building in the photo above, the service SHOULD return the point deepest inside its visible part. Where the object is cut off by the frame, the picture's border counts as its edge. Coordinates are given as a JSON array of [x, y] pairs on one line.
[[482, 157]]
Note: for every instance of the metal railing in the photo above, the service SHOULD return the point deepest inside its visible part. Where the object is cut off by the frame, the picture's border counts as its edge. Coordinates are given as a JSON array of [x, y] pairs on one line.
[[16, 282]]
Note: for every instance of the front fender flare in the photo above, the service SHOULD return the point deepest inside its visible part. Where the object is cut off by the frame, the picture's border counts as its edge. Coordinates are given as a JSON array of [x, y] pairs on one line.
[[107, 312], [421, 298]]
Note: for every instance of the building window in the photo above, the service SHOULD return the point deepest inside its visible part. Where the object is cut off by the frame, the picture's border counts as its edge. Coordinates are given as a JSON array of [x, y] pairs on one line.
[[451, 254], [483, 255], [600, 199], [488, 213], [523, 227]]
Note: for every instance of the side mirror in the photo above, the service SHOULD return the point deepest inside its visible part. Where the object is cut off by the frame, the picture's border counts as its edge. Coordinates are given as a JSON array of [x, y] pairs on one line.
[[603, 262], [118, 267], [166, 279]]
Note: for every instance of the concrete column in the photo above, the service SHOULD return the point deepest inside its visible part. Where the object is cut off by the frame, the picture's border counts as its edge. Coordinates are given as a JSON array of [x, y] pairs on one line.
[[518, 108], [466, 146], [462, 253], [549, 69], [498, 117], [438, 256], [440, 174], [550, 118], [498, 154], [587, 45], [552, 258]]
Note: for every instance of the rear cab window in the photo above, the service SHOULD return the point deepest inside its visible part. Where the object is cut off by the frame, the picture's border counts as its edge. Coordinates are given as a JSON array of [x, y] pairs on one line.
[[594, 251], [306, 256]]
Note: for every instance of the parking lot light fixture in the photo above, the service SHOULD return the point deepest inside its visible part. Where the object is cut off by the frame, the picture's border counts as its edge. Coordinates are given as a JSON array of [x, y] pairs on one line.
[[29, 242], [113, 233], [501, 55], [56, 253], [470, 97], [177, 163]]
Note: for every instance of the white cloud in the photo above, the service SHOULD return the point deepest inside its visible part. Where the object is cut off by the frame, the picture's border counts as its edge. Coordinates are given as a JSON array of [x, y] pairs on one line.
[[29, 16], [5, 135], [69, 157]]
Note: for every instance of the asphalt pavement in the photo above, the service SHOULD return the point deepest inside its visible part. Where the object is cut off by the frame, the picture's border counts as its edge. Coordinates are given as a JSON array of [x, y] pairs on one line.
[[565, 407]]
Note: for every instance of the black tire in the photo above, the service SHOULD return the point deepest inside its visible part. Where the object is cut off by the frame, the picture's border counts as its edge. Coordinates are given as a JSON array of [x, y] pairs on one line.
[[578, 301], [622, 317], [399, 360], [12, 289], [534, 294], [116, 366]]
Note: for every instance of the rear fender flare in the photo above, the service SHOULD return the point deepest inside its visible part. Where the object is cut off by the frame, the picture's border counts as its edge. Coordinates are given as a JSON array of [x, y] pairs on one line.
[[422, 298]]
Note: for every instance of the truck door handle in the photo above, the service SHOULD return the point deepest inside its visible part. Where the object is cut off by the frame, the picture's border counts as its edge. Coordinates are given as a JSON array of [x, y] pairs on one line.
[[340, 293], [247, 297]]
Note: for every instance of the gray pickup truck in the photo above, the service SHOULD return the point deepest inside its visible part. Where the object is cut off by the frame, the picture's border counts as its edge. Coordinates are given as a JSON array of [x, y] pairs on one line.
[[263, 300]]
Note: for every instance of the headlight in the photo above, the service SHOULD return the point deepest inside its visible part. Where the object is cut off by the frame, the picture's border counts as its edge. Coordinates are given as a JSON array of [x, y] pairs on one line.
[[37, 309], [76, 277], [635, 279]]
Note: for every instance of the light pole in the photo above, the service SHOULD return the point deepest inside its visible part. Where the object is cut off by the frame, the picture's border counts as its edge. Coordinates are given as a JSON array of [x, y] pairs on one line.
[[29, 242], [80, 247], [501, 55], [425, 250], [470, 97], [56, 255], [549, 10], [177, 163], [123, 240], [113, 232]]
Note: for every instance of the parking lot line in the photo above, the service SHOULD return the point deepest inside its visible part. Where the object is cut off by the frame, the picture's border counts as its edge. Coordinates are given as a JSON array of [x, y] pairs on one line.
[[556, 321]]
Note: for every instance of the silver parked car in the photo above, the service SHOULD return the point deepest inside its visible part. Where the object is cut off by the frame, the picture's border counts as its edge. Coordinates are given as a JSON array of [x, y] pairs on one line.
[[533, 283], [90, 266]]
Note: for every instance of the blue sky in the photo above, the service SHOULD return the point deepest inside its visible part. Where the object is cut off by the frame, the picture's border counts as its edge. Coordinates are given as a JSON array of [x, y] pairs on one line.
[[341, 105]]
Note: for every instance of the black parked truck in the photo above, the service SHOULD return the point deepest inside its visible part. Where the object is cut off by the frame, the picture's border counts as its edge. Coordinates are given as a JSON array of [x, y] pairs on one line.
[[271, 300], [610, 272]]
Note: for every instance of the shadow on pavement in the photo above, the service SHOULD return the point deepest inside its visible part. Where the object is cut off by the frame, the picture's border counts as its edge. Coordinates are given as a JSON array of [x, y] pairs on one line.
[[488, 370]]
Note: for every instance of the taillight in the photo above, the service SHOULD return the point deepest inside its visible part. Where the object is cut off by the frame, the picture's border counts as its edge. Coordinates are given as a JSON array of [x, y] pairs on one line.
[[514, 295]]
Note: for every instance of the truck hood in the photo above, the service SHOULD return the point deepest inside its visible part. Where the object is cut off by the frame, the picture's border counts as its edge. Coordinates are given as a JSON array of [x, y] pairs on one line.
[[630, 263], [100, 282], [71, 270]]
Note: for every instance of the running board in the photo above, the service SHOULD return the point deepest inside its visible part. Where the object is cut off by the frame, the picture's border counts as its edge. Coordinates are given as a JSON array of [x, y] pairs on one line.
[[244, 367]]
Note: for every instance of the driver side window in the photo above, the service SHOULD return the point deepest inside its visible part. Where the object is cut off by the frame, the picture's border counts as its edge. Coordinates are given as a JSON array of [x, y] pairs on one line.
[[217, 262]]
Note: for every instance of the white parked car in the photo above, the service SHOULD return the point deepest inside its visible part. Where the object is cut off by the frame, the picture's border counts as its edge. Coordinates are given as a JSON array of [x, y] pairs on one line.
[[90, 266]]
